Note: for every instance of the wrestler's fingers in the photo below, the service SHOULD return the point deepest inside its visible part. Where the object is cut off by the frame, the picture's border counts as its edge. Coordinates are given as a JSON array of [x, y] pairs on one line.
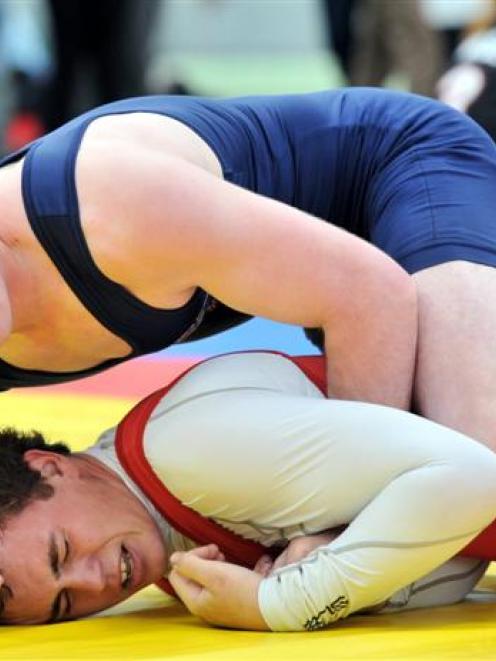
[[188, 591], [204, 573], [264, 565], [281, 561], [208, 552]]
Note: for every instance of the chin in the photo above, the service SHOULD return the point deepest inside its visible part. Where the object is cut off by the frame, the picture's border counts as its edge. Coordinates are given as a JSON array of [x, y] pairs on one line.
[[151, 564]]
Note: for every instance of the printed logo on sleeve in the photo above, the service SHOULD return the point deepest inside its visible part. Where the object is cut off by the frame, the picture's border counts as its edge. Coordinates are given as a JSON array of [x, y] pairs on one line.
[[328, 614]]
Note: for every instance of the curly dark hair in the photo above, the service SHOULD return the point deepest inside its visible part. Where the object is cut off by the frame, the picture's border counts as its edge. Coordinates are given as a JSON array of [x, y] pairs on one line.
[[19, 484]]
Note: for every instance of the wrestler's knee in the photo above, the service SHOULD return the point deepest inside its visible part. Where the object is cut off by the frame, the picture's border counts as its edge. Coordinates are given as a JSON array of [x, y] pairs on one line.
[[455, 381]]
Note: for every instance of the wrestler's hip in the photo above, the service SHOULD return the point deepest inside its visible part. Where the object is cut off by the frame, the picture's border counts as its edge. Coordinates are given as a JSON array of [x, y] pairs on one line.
[[435, 203]]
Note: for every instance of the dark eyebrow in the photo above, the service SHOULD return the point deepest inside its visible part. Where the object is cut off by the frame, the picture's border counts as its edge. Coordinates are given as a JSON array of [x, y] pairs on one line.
[[5, 594], [54, 561], [53, 556]]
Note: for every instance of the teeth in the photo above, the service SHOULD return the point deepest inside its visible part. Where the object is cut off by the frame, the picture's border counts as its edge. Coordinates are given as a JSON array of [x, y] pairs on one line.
[[125, 567], [123, 571]]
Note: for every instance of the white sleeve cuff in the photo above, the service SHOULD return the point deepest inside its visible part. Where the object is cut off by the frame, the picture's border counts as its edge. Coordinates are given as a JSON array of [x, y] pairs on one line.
[[304, 596], [273, 609]]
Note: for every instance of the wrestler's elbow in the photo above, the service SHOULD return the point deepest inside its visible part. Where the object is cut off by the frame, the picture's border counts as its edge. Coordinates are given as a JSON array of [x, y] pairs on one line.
[[371, 340], [399, 293], [379, 292], [391, 318]]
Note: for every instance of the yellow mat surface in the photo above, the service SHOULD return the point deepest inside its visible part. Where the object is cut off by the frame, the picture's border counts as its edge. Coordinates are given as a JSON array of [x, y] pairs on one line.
[[151, 626]]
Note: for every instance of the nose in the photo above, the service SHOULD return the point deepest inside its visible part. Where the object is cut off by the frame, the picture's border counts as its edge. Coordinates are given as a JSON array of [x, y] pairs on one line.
[[86, 574]]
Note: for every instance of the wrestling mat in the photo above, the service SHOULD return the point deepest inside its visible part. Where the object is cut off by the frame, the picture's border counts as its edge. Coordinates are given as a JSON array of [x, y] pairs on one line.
[[153, 626]]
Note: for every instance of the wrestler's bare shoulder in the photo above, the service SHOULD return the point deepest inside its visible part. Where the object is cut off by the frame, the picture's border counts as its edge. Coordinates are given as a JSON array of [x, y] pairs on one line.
[[131, 174], [156, 132]]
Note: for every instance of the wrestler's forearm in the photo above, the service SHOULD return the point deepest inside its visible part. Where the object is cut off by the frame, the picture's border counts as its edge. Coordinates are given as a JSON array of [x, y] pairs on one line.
[[414, 493], [439, 495], [371, 344]]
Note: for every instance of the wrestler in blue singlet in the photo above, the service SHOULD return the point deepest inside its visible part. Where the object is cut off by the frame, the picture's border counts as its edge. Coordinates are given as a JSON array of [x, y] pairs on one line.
[[410, 175]]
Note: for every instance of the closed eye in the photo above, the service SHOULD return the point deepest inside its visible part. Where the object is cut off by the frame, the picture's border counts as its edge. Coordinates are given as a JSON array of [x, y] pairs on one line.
[[68, 602], [66, 612], [66, 549], [53, 556], [61, 607]]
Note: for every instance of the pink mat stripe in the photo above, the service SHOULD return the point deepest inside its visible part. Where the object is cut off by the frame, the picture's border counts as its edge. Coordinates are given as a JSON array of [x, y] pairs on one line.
[[129, 380]]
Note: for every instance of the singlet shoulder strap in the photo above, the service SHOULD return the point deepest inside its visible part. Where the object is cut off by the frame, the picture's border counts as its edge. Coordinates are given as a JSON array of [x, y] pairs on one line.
[[51, 202], [130, 451]]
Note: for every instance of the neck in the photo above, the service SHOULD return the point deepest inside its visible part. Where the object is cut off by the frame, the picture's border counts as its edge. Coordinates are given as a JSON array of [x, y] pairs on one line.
[[93, 469], [6, 320], [17, 293], [19, 286]]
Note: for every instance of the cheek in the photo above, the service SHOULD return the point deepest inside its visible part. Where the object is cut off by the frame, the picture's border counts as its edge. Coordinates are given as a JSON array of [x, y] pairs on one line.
[[23, 561], [86, 606], [94, 517], [100, 518]]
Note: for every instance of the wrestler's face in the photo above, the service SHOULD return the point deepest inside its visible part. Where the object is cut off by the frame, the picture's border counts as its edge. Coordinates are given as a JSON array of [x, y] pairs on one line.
[[89, 546]]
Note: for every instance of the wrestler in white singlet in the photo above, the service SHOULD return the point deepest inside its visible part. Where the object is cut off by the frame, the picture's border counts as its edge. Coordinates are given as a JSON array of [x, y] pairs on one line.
[[249, 441]]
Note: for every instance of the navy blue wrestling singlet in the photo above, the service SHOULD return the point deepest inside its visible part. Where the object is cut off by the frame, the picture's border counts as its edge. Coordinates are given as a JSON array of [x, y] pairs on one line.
[[408, 174]]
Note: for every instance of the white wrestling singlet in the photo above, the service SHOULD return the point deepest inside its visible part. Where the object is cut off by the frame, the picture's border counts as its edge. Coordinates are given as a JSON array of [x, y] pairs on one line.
[[248, 441]]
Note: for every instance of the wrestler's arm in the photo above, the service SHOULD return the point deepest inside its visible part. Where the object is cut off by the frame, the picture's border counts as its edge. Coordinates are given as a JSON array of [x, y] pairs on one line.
[[178, 227], [445, 585], [426, 513], [415, 494]]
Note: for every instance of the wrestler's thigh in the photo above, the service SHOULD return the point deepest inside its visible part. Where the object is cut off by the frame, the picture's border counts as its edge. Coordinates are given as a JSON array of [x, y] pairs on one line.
[[455, 381]]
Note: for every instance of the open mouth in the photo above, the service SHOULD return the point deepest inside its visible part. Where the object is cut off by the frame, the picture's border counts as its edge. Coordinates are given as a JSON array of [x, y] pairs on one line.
[[126, 567]]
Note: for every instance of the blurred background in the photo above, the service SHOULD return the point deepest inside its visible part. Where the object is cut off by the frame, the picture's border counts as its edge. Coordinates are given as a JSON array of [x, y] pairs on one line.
[[59, 57]]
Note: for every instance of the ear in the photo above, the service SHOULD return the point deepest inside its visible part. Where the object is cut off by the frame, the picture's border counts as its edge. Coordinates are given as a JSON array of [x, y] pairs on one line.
[[49, 464]]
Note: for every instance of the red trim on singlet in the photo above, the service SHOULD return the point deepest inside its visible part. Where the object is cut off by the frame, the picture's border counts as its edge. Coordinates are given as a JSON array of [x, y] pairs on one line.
[[130, 451], [241, 551], [483, 546]]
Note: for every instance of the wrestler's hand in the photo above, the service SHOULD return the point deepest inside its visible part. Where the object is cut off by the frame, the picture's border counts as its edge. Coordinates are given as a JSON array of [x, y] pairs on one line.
[[296, 550], [218, 592]]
